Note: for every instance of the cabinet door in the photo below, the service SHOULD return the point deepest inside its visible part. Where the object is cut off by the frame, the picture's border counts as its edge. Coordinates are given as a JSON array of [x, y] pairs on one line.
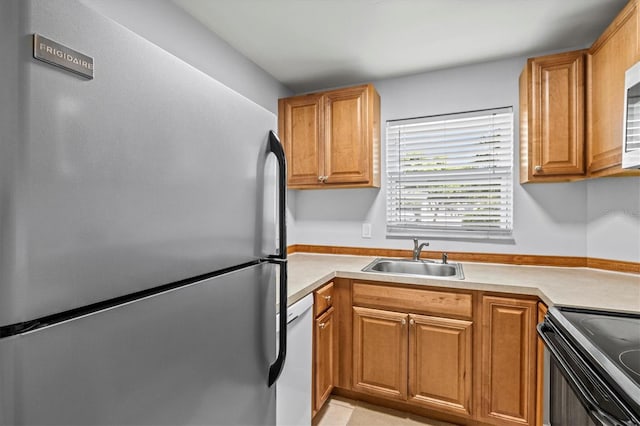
[[323, 299], [324, 362], [540, 420], [380, 352], [440, 363], [508, 360], [556, 115], [347, 136], [301, 129], [610, 56]]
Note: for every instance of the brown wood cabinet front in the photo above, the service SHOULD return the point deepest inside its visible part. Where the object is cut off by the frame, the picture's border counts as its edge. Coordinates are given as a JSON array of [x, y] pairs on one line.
[[542, 311], [440, 356], [508, 360], [346, 147], [323, 299], [300, 127], [324, 359], [332, 139], [380, 352], [552, 90], [611, 55]]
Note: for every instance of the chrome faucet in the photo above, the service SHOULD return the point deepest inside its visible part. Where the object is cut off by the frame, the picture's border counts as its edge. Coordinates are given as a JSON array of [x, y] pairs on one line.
[[418, 248], [445, 256]]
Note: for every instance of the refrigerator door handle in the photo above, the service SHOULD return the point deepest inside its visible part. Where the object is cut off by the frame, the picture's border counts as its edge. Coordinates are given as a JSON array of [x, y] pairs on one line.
[[276, 148], [276, 368], [281, 257]]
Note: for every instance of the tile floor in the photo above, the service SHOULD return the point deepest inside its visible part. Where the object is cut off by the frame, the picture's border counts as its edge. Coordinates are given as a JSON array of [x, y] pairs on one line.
[[340, 411]]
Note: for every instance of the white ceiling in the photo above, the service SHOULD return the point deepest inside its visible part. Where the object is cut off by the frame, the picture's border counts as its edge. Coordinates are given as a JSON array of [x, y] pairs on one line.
[[316, 44]]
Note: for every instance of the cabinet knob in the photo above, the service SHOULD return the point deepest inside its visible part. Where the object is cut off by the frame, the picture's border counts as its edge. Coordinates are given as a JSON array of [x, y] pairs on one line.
[[322, 325], [320, 178], [327, 298], [412, 321], [537, 168], [404, 321]]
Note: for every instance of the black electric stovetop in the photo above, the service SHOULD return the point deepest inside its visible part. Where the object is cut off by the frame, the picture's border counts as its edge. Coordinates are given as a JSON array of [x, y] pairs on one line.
[[614, 334], [610, 343]]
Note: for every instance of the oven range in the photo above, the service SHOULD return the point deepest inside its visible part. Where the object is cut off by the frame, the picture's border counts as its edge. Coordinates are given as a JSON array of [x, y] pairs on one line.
[[594, 367]]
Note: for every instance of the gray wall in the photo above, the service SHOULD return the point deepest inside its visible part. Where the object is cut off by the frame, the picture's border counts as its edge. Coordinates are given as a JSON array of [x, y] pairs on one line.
[[613, 218], [167, 25], [594, 218]]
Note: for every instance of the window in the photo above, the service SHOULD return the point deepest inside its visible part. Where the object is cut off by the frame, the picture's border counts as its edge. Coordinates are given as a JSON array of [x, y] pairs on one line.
[[450, 176]]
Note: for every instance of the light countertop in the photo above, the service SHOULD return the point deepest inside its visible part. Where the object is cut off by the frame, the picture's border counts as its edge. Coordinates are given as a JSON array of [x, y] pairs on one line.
[[581, 287]]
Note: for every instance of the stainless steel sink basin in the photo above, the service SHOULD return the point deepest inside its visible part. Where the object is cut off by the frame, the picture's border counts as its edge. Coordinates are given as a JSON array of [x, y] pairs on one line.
[[416, 267]]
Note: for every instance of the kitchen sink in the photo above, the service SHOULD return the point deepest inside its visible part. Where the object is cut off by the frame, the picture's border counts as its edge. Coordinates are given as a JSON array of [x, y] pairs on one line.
[[416, 267]]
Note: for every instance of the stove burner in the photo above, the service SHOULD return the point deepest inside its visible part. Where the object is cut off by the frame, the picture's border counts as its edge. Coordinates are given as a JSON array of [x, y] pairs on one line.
[[631, 360]]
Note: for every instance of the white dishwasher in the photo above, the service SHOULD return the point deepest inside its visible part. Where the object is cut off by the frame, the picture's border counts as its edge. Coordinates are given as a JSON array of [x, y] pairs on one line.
[[293, 388]]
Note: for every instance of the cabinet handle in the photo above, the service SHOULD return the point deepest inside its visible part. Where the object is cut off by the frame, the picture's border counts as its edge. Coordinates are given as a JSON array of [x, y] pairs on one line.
[[537, 168], [322, 325], [327, 298], [404, 321], [320, 178], [412, 321]]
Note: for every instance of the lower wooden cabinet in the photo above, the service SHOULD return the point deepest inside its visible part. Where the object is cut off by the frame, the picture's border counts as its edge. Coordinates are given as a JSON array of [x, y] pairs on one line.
[[440, 360], [508, 360], [380, 352], [542, 311], [425, 360], [324, 359], [462, 356], [325, 342]]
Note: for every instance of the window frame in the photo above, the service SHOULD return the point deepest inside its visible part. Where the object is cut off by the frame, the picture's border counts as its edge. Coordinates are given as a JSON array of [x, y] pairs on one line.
[[402, 229]]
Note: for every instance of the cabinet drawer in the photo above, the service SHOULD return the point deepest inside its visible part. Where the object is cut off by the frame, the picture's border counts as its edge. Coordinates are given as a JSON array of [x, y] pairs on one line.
[[323, 299], [412, 300]]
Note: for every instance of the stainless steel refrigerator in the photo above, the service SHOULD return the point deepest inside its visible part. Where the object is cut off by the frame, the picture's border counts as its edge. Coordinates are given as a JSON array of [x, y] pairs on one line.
[[138, 249]]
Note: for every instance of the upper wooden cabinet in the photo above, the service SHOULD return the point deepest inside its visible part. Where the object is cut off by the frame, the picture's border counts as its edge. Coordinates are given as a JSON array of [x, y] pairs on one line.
[[552, 118], [571, 107], [611, 55], [300, 125], [332, 139]]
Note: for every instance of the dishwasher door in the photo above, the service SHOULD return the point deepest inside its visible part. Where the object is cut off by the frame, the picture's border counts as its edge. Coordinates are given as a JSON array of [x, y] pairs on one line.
[[293, 388]]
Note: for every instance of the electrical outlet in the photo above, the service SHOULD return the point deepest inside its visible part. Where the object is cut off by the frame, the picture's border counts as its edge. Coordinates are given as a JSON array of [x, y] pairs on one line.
[[366, 230]]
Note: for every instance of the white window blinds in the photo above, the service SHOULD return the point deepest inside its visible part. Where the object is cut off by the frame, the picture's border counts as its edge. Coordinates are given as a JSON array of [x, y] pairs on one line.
[[451, 175], [633, 122]]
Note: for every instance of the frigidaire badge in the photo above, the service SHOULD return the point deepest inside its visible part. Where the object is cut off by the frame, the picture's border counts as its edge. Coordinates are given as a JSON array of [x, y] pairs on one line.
[[61, 56]]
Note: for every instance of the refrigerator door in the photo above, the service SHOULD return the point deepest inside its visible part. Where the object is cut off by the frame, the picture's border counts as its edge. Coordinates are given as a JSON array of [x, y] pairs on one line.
[[197, 355], [150, 173]]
